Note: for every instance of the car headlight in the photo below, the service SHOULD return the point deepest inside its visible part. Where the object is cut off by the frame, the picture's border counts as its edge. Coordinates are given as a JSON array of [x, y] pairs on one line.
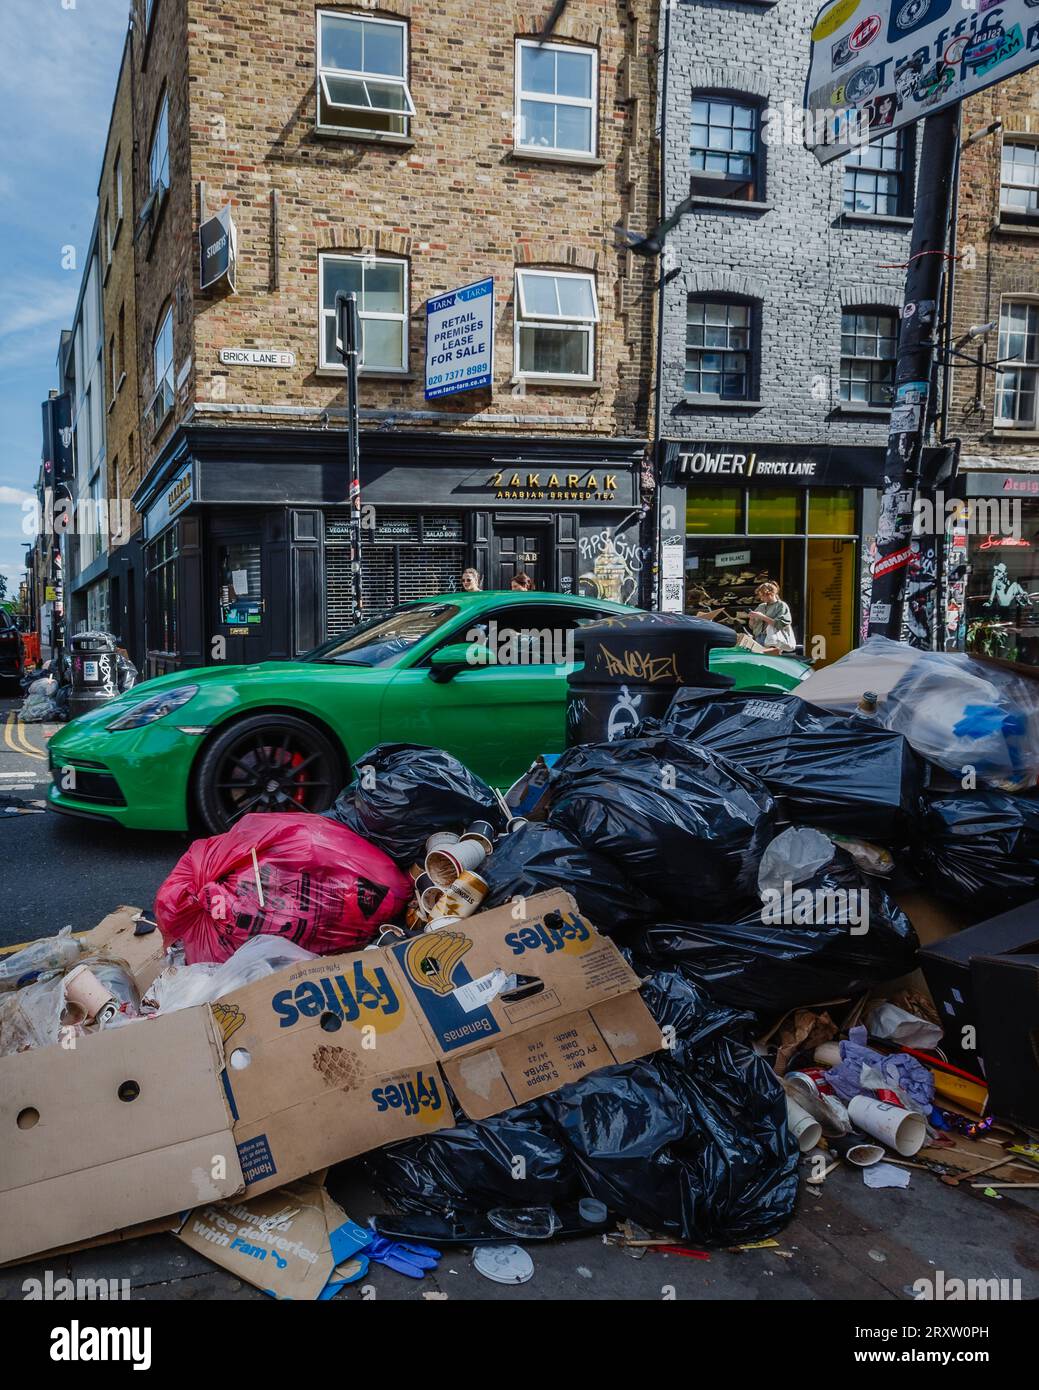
[[154, 708]]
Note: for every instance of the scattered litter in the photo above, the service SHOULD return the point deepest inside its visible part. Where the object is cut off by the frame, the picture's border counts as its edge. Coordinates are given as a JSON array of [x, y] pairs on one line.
[[504, 1264], [885, 1175]]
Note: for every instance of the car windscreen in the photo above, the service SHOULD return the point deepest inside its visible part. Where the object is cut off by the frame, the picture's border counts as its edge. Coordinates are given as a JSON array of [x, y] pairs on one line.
[[385, 637]]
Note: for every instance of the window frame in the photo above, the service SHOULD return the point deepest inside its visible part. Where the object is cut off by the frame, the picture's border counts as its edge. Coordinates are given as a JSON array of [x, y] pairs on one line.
[[162, 121], [588, 327], [360, 131], [1015, 216], [168, 375], [404, 317], [589, 103], [117, 185], [752, 327], [1001, 422], [877, 311], [900, 174], [756, 181]]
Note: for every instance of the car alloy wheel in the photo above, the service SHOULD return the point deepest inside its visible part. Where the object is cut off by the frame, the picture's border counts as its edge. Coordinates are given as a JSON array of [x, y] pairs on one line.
[[267, 763]]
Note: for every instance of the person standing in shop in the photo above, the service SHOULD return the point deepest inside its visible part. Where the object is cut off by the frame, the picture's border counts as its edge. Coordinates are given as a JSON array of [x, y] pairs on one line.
[[771, 623]]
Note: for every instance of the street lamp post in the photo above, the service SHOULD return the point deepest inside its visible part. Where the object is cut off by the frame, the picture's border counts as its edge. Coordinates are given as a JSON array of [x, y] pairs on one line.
[[348, 341]]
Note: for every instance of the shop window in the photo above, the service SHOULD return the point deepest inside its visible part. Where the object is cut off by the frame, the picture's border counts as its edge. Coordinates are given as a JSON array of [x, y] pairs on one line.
[[162, 370], [159, 158], [556, 316], [1019, 181], [1016, 382], [831, 576], [161, 586], [831, 512], [875, 177], [240, 585], [718, 349], [774, 511], [714, 513], [724, 150], [362, 75], [1003, 593], [869, 343], [409, 555], [722, 578], [381, 286], [556, 98]]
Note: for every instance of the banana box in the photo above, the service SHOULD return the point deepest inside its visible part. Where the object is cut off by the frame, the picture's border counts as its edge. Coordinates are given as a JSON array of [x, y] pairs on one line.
[[342, 1054]]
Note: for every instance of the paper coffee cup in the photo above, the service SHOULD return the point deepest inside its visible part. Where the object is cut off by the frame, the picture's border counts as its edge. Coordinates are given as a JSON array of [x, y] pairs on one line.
[[827, 1054], [856, 1149], [901, 1130], [482, 831], [442, 923], [805, 1130], [83, 990], [439, 839], [446, 864], [463, 898], [801, 1081], [428, 898]]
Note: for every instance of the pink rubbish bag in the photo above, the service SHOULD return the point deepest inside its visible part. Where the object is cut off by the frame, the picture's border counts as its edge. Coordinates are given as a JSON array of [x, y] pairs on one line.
[[312, 881]]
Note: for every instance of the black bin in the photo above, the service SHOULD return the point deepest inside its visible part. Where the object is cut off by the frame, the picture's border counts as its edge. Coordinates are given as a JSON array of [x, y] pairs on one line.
[[632, 668], [95, 671]]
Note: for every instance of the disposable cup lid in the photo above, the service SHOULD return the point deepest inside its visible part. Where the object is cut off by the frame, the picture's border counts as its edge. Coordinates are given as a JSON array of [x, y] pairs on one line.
[[504, 1264]]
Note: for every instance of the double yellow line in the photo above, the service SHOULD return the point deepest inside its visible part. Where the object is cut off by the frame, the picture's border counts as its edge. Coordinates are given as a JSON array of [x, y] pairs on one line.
[[16, 739]]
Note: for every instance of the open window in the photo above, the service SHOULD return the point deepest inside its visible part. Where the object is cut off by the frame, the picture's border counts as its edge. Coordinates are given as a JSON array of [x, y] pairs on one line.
[[362, 74], [556, 314], [725, 152], [162, 368]]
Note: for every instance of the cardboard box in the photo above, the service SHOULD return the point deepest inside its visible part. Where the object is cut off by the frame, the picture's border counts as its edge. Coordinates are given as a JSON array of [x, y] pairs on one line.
[[343, 1054], [947, 969], [1006, 989], [116, 937], [317, 1063], [129, 1124]]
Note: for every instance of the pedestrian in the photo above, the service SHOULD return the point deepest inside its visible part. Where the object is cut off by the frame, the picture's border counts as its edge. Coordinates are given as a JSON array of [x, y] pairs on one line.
[[771, 623], [522, 582], [471, 582]]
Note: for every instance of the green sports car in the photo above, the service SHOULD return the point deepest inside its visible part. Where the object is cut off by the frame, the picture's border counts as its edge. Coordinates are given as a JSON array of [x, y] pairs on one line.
[[482, 675]]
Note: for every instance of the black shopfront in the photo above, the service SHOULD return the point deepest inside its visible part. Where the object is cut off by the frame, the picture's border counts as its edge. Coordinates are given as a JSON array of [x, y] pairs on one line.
[[246, 531]]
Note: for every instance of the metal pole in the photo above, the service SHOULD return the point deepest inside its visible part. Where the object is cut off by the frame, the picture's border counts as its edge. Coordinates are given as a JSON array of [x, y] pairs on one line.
[[349, 342], [913, 371]]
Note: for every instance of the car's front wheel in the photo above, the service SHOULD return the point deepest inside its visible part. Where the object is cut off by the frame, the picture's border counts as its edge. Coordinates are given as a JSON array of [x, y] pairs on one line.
[[266, 763]]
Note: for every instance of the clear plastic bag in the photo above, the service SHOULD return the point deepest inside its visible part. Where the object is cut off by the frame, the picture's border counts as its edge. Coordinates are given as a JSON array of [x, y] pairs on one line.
[[181, 987], [48, 956], [796, 854], [955, 711], [31, 1017]]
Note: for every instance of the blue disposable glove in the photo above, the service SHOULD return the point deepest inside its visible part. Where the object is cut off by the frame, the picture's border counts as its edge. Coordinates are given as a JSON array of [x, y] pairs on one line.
[[405, 1257]]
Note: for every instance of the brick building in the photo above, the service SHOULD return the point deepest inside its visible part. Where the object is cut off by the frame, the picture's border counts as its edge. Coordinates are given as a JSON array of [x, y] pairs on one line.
[[780, 317], [401, 153], [993, 604]]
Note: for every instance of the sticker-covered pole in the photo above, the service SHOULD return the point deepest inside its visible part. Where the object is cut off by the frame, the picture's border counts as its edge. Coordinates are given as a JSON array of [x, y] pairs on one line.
[[349, 344], [893, 565]]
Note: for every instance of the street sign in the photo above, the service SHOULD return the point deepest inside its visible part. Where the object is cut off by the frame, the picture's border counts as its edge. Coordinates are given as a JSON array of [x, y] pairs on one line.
[[218, 250], [460, 340], [879, 65], [257, 357]]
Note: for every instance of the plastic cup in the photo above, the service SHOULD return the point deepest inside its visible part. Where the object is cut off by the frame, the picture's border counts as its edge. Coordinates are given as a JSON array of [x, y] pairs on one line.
[[805, 1130], [83, 990], [901, 1130]]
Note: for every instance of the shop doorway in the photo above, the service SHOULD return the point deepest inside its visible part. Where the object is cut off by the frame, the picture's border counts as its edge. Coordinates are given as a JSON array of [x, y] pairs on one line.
[[238, 604], [522, 550]]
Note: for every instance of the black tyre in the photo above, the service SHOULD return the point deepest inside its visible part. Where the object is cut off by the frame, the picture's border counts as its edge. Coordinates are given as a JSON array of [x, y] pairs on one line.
[[270, 762]]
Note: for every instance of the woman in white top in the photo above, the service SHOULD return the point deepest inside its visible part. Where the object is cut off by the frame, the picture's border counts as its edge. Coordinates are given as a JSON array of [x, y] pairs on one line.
[[771, 623]]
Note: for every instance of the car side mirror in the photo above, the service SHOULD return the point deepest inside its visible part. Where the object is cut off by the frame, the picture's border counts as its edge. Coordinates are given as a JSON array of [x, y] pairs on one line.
[[447, 662]]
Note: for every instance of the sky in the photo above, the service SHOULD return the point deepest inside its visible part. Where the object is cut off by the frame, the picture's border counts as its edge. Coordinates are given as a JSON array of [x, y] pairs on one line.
[[57, 81]]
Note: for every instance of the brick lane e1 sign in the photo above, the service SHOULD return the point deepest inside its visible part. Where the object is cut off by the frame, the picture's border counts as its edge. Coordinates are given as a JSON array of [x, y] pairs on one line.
[[460, 340]]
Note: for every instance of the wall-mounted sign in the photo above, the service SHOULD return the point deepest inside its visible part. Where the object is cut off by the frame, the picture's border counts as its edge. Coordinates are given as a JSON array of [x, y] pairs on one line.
[[884, 64], [257, 357], [715, 462], [179, 494], [732, 557], [218, 250], [548, 485], [58, 460], [460, 340]]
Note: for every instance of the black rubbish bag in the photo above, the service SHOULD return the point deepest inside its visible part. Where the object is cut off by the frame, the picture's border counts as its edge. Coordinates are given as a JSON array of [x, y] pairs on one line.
[[402, 793], [770, 965], [826, 770], [980, 849], [692, 1142], [538, 856], [683, 823], [472, 1168]]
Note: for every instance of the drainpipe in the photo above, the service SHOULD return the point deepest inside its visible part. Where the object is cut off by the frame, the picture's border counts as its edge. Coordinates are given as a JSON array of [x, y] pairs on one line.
[[658, 409]]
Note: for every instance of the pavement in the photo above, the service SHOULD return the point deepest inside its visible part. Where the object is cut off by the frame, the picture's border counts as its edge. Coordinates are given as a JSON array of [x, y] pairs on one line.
[[845, 1242]]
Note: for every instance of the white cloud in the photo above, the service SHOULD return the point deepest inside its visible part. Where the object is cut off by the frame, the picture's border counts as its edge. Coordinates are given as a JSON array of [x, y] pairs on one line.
[[13, 496]]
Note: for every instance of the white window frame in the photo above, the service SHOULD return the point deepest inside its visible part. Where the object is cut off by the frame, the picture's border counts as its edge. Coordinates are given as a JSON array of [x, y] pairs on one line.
[[162, 122], [1007, 211], [1001, 422], [325, 258], [323, 72], [117, 179], [522, 320], [166, 377], [109, 239], [590, 103]]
